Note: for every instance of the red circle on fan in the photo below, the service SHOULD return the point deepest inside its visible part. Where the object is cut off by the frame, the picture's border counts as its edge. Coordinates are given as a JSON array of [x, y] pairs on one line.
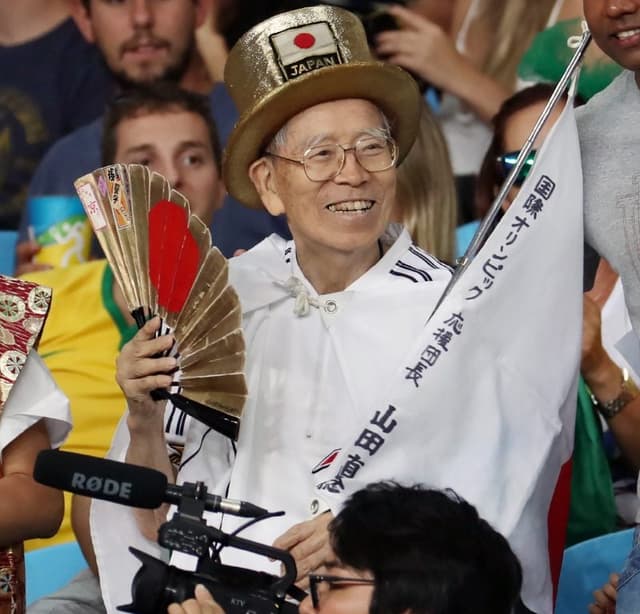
[[304, 40]]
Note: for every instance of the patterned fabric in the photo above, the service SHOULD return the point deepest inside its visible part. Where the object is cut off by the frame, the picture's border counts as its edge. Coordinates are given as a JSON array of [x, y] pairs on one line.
[[23, 311], [12, 592]]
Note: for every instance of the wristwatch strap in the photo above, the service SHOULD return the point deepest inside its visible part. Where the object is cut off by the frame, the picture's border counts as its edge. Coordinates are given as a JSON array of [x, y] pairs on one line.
[[628, 392]]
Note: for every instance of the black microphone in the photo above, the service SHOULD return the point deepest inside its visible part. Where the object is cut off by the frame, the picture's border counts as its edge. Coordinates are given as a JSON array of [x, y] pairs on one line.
[[123, 483], [100, 478]]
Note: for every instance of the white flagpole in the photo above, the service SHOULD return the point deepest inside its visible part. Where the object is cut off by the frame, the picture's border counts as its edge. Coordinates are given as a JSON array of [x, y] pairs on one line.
[[486, 225]]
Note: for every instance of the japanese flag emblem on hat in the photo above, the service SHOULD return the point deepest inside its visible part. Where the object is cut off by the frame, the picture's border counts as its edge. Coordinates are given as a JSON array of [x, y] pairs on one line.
[[309, 47]]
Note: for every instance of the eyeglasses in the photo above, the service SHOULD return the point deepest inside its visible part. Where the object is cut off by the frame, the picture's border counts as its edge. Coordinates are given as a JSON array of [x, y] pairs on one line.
[[315, 580], [507, 161], [324, 162]]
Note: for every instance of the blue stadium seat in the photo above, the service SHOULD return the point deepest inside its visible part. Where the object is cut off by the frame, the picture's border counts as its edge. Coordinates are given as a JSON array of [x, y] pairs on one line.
[[49, 569], [586, 567], [8, 240]]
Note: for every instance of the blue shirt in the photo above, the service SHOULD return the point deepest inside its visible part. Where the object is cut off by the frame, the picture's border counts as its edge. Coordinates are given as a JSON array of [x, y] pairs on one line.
[[49, 86]]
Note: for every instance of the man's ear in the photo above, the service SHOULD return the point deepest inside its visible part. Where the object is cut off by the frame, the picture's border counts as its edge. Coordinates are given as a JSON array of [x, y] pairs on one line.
[[263, 178], [80, 15]]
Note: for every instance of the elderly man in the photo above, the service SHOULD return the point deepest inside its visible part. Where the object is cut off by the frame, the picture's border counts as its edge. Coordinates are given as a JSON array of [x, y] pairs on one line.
[[322, 128], [329, 319]]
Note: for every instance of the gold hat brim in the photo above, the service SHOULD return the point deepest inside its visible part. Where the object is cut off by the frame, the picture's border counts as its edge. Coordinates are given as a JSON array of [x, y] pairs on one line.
[[389, 87]]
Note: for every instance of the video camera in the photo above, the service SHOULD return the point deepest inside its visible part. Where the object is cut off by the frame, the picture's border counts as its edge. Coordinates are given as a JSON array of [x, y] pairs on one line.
[[156, 584], [237, 590]]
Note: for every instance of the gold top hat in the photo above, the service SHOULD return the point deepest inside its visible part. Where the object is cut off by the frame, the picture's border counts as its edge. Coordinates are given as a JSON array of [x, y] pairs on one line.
[[294, 61]]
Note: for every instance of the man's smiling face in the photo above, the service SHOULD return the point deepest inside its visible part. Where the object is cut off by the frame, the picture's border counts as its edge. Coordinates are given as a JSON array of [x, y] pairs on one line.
[[345, 214]]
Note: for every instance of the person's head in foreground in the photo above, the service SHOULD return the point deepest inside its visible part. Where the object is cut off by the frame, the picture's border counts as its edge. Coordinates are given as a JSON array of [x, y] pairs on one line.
[[418, 550], [402, 549], [171, 131], [614, 26], [322, 127]]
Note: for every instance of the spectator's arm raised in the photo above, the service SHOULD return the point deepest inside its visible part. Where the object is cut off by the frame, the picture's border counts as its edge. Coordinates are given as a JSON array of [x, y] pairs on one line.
[[139, 370], [426, 50]]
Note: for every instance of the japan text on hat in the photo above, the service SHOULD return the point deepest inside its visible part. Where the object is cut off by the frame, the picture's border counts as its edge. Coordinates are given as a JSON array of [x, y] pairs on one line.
[[294, 61]]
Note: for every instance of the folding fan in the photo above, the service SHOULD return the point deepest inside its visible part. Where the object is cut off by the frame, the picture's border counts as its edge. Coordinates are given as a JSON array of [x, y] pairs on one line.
[[161, 256]]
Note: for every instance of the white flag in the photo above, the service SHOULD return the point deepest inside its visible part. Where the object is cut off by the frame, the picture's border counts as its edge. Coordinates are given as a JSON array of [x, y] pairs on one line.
[[485, 402]]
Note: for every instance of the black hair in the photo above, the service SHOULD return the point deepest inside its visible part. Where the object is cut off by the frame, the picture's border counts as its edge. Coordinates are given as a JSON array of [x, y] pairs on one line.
[[154, 98], [428, 550]]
